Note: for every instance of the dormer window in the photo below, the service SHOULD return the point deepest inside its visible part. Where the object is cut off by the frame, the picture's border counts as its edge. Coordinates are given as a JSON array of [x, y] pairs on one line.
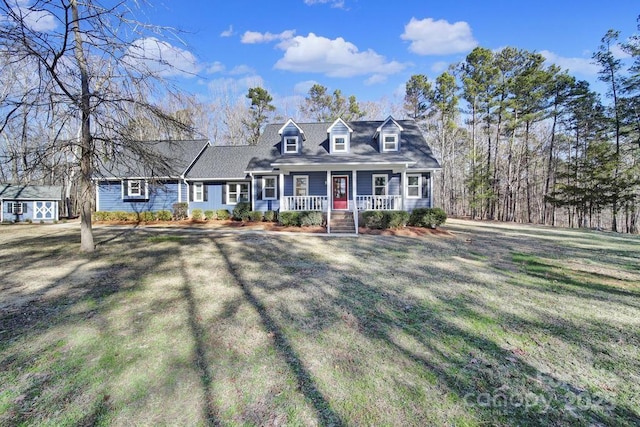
[[290, 144], [390, 142], [339, 144]]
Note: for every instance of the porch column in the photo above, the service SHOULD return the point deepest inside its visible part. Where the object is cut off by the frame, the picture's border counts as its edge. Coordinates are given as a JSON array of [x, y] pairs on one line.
[[354, 179], [281, 191], [403, 188], [329, 184]]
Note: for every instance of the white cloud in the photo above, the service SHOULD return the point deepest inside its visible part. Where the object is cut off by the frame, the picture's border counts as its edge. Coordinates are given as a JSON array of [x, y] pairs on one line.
[[335, 58], [216, 67], [337, 4], [228, 32], [440, 66], [253, 37], [375, 79], [303, 87], [583, 66], [618, 53], [235, 87], [160, 57], [35, 19], [241, 69], [429, 37]]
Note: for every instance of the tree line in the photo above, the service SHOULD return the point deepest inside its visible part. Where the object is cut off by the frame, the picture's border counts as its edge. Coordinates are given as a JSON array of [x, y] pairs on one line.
[[518, 140]]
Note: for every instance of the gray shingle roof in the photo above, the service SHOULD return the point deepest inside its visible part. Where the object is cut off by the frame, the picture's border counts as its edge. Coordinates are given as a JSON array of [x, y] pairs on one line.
[[153, 159], [364, 148], [30, 192], [224, 162]]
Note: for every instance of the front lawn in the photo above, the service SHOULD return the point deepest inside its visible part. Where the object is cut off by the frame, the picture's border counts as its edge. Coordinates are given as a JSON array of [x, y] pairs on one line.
[[492, 325]]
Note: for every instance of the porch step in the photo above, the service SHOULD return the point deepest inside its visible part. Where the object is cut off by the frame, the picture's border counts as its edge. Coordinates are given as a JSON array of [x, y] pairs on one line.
[[342, 222]]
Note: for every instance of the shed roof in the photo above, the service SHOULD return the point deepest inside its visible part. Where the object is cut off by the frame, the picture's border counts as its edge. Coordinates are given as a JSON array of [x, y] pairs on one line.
[[30, 192]]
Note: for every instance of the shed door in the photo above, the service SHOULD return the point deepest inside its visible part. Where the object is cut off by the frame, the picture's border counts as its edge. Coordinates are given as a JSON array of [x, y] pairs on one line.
[[44, 210], [340, 190]]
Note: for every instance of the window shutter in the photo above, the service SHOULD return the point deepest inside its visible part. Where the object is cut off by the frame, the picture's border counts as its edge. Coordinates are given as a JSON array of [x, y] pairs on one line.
[[205, 192], [190, 192], [425, 186], [24, 208], [8, 207], [125, 188], [224, 194], [259, 189]]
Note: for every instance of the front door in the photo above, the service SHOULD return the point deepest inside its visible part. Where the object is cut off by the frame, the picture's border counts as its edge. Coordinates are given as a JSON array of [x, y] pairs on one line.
[[340, 190]]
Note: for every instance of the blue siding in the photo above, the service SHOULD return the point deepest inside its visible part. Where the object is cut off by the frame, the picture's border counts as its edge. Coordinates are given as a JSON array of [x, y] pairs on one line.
[[266, 205], [216, 197], [365, 182], [161, 197], [317, 183], [28, 210]]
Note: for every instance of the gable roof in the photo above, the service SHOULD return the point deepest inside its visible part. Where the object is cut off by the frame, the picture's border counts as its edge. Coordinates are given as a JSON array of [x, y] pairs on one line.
[[414, 152], [30, 192], [169, 159], [339, 120]]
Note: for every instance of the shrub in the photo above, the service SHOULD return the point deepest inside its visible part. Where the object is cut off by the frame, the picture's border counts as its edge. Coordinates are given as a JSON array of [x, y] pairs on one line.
[[255, 216], [147, 216], [209, 215], [289, 218], [102, 216], [375, 219], [223, 214], [196, 214], [427, 217], [241, 211], [397, 219], [310, 218], [180, 210], [164, 215], [270, 216], [120, 216]]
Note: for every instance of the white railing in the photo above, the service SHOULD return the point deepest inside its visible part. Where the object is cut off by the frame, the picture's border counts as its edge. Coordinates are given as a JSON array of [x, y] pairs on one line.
[[304, 203], [380, 203]]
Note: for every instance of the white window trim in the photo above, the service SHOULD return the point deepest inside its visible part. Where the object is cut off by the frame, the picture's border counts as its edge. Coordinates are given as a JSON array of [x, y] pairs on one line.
[[295, 179], [419, 186], [197, 185], [373, 184], [285, 148], [275, 188], [395, 141], [131, 193], [346, 144], [19, 210], [237, 191]]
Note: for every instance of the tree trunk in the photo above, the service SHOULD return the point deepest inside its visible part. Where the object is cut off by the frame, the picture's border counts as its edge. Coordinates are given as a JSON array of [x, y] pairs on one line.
[[86, 142]]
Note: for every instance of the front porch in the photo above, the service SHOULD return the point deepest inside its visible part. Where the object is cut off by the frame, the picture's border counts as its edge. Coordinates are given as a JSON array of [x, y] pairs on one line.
[[362, 203]]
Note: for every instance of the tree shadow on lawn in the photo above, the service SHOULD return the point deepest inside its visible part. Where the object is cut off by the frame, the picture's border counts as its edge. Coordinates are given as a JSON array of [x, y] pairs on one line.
[[475, 371], [44, 368]]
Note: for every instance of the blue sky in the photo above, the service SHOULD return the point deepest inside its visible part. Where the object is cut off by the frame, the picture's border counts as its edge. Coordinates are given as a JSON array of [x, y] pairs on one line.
[[370, 48]]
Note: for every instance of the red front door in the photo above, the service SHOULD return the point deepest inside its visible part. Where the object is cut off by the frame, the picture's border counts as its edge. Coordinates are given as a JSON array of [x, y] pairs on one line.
[[340, 196]]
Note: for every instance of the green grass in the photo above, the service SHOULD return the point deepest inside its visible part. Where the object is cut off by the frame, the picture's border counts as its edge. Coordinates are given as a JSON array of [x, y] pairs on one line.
[[495, 325]]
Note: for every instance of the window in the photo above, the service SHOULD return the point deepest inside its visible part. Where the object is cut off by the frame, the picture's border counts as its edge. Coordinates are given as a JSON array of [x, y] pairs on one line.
[[290, 144], [379, 185], [339, 144], [237, 192], [301, 185], [16, 208], [135, 187], [269, 188], [198, 192], [390, 142], [414, 186]]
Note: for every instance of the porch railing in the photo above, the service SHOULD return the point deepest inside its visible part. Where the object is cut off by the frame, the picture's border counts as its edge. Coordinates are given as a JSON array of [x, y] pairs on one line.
[[382, 203], [304, 203]]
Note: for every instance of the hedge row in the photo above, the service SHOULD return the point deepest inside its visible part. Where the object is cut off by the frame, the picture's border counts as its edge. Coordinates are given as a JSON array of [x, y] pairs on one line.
[[177, 214], [419, 217], [301, 218]]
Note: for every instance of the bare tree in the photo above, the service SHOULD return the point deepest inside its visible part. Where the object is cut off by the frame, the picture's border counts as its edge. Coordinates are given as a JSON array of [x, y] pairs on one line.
[[92, 61]]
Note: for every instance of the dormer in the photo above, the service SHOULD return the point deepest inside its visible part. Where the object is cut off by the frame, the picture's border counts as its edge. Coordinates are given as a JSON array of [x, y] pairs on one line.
[[339, 137], [388, 134], [292, 136]]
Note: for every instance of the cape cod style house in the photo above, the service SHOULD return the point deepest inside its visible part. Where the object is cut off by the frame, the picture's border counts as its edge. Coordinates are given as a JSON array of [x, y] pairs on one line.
[[338, 168]]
